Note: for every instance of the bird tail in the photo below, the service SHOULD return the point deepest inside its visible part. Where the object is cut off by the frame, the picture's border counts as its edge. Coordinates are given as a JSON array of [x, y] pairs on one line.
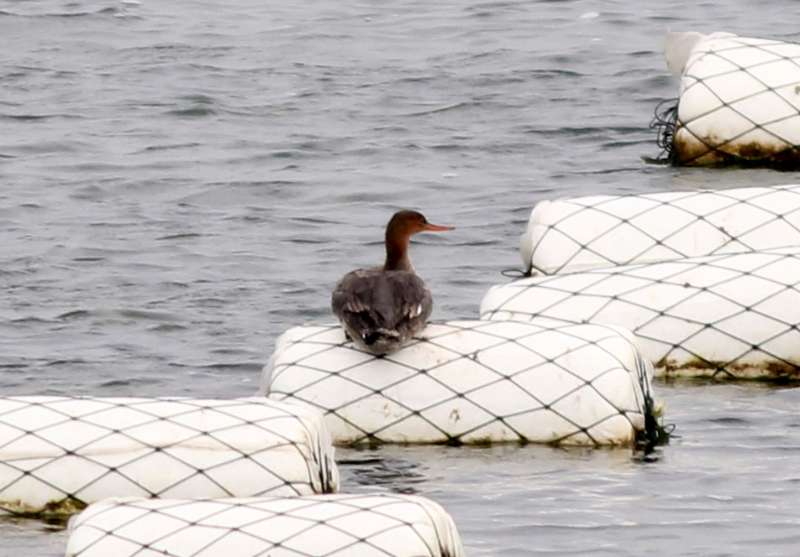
[[373, 336]]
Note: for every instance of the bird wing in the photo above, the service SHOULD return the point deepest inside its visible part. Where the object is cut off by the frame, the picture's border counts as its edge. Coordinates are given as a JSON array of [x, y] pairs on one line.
[[381, 299]]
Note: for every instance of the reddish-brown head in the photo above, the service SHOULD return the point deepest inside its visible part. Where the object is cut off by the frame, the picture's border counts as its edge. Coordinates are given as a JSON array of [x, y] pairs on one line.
[[401, 227], [404, 224]]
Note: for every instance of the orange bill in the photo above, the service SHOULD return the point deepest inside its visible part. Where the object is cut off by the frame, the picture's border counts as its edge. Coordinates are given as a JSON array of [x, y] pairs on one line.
[[437, 227]]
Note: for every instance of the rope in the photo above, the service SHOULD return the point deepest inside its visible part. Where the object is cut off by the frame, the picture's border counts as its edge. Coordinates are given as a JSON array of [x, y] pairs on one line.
[[515, 273], [665, 117]]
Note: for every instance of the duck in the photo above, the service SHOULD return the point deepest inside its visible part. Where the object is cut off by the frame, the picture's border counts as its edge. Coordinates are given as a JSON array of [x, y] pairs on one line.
[[382, 308]]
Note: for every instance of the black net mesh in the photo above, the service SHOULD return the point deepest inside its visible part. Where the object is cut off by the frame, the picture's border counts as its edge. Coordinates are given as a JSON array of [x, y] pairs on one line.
[[735, 315], [601, 231], [468, 382], [59, 453], [739, 104], [313, 526]]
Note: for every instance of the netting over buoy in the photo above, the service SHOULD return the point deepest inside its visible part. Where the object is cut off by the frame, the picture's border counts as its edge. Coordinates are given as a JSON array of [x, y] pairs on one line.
[[58, 453], [470, 382], [732, 314], [575, 234], [738, 102], [379, 525]]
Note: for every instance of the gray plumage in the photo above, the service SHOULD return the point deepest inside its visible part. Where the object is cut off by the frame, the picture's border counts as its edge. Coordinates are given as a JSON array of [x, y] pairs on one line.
[[381, 310]]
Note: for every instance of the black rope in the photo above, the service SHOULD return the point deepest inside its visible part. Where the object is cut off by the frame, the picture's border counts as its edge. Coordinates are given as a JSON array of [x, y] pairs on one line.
[[665, 117], [515, 273], [655, 433]]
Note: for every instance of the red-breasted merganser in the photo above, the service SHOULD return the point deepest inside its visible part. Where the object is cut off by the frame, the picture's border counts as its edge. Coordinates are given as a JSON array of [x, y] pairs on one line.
[[382, 308]]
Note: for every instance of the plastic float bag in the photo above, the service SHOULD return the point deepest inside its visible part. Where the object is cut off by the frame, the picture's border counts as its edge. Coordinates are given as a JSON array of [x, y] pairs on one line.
[[367, 525], [58, 454], [568, 235], [470, 382], [734, 315], [739, 100]]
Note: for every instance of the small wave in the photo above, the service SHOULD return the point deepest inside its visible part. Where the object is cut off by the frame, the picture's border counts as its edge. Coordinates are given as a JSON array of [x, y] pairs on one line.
[[74, 314], [111, 10], [603, 171], [65, 361], [116, 383], [151, 148], [628, 143], [199, 106], [553, 73], [31, 320], [296, 291], [220, 366], [125, 313], [27, 117], [284, 154], [234, 352], [474, 243], [193, 112], [13, 367], [445, 108], [249, 367], [48, 147], [310, 241], [146, 314], [314, 220], [210, 302], [181, 236], [729, 420], [88, 259], [89, 193], [167, 328]]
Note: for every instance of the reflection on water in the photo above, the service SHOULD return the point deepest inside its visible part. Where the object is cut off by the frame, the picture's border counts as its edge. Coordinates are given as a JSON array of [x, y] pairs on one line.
[[383, 472]]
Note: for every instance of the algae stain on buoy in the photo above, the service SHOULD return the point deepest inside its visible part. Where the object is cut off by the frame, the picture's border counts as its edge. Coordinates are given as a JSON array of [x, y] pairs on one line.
[[56, 511]]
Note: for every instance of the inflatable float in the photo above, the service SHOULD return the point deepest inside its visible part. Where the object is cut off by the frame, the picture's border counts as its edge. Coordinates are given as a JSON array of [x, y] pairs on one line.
[[576, 234], [379, 525], [739, 101], [732, 314], [470, 382], [58, 454]]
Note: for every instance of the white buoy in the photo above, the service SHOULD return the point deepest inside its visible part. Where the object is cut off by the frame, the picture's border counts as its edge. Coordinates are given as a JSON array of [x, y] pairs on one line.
[[739, 100], [469, 382], [59, 453], [368, 525], [576, 234], [732, 314]]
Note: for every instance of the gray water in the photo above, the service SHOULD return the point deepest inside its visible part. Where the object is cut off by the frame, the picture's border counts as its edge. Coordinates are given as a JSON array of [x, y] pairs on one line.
[[182, 181]]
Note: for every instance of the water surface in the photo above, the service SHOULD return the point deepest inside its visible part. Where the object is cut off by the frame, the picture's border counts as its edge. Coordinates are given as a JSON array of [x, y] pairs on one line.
[[183, 181]]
